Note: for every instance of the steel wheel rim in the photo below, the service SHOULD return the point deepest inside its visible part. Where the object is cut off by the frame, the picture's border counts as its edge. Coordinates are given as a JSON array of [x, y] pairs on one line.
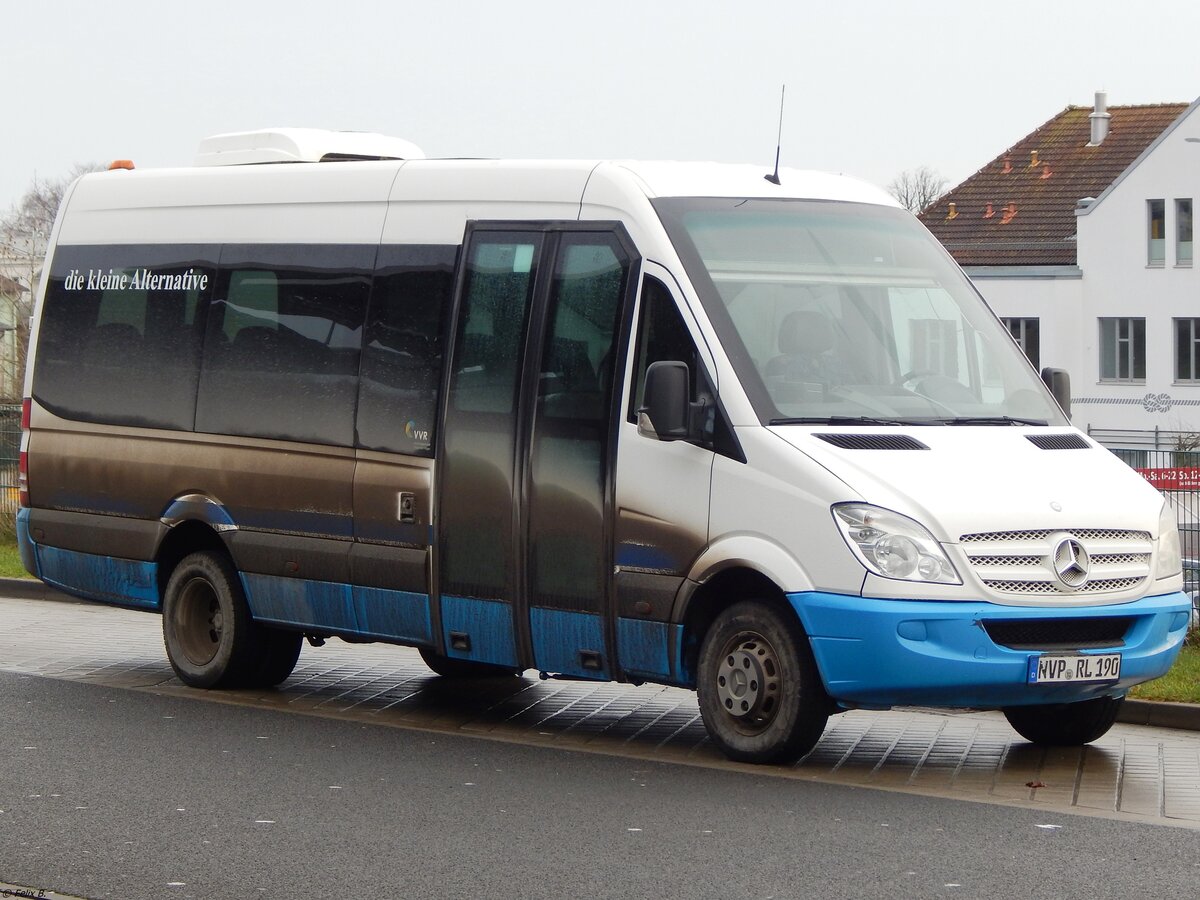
[[199, 622], [748, 682]]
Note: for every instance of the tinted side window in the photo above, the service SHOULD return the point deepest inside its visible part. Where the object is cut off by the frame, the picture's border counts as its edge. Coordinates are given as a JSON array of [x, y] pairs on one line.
[[500, 279], [281, 351], [402, 356], [662, 335], [120, 334], [577, 363]]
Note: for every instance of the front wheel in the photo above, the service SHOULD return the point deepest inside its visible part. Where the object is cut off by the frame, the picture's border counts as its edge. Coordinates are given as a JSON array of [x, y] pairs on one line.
[[760, 694], [1065, 724]]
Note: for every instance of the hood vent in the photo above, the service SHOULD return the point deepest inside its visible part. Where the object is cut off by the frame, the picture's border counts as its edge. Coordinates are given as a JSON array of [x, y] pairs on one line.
[[1059, 441], [872, 441]]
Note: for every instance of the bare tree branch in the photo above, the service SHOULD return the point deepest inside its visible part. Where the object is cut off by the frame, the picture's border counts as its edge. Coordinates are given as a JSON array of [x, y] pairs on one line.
[[918, 188], [24, 236], [25, 228]]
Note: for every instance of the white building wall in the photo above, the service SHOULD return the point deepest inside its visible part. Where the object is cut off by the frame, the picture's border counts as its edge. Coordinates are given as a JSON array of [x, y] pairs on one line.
[[1114, 279], [1120, 282], [1054, 301]]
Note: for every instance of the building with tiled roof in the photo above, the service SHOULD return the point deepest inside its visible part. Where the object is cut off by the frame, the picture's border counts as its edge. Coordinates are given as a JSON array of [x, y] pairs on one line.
[[1019, 209], [1079, 236]]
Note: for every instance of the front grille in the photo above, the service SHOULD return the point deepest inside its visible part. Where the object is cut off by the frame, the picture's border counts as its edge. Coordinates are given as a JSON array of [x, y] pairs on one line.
[[1059, 634], [1084, 534], [1050, 588], [1020, 562]]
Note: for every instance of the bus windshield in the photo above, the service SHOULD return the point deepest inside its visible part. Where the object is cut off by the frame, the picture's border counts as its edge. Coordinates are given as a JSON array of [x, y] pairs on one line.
[[847, 312]]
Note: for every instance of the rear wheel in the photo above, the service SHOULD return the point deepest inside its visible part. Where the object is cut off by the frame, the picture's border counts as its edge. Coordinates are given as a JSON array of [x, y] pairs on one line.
[[1065, 724], [449, 667], [209, 636], [760, 694], [277, 655]]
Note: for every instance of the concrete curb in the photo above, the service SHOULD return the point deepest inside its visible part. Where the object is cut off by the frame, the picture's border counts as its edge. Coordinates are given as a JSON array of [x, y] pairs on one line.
[[32, 589], [1185, 716]]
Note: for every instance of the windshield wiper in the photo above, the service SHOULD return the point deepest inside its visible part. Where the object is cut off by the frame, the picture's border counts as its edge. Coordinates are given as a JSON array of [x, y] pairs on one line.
[[848, 420], [990, 420]]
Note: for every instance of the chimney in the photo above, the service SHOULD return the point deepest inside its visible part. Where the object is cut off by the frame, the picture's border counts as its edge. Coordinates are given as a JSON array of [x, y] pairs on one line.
[[1007, 166], [953, 214], [1033, 161], [1099, 119]]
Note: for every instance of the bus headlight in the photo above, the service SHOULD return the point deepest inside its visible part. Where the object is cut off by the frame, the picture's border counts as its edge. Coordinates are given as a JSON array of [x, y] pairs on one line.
[[893, 545], [1170, 556]]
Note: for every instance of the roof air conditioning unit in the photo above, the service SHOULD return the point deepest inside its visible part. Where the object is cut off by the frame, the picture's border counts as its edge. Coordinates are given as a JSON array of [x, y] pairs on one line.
[[280, 145]]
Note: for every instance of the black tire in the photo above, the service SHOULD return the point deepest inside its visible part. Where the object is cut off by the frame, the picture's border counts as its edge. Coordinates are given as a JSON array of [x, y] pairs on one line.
[[277, 655], [760, 694], [448, 667], [210, 638], [1065, 724]]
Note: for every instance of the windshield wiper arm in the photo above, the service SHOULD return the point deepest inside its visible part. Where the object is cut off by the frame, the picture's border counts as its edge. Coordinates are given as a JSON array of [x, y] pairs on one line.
[[991, 420], [845, 420]]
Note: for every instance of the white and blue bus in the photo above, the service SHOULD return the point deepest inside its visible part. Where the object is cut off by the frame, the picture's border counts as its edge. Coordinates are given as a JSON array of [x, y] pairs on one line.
[[647, 422]]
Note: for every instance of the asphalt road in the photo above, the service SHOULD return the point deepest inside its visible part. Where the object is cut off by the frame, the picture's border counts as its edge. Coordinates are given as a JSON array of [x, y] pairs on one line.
[[126, 794]]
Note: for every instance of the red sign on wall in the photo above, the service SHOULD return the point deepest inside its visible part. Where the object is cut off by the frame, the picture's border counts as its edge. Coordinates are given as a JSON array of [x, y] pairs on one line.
[[1178, 479]]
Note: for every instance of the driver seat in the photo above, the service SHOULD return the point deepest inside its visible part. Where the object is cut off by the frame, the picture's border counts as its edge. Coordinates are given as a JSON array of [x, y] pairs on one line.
[[805, 339]]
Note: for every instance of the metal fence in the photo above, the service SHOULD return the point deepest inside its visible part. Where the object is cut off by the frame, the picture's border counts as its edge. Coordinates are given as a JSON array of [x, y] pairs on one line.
[[10, 452], [1176, 473]]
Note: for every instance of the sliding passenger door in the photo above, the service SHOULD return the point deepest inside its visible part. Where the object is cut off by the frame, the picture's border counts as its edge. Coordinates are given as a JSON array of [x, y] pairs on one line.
[[479, 498], [568, 487], [525, 473]]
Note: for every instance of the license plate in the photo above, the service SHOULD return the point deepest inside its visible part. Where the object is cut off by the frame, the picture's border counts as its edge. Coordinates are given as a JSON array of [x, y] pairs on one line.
[[1060, 668]]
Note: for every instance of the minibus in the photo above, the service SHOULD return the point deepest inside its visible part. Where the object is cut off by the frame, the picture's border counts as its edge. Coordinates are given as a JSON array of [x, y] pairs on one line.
[[637, 421]]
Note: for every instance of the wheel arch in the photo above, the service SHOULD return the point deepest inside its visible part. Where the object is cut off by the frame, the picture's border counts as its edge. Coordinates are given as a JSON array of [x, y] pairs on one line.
[[700, 603], [753, 552], [733, 567], [182, 540]]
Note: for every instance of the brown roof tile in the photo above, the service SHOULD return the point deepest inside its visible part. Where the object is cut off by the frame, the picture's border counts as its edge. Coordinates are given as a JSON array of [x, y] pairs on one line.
[[1015, 211]]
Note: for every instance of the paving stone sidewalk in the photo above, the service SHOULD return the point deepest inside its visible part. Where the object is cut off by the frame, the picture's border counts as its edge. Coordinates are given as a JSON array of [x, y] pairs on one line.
[[1134, 772]]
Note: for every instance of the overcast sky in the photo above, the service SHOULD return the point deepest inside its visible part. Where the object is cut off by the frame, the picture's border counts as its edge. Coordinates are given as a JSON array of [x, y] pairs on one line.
[[873, 87]]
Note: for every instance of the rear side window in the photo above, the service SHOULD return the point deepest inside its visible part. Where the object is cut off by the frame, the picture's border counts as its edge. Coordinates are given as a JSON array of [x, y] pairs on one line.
[[284, 335], [121, 331], [402, 356]]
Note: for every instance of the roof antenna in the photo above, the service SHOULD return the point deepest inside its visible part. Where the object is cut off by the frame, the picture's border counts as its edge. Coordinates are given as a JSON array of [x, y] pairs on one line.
[[774, 176]]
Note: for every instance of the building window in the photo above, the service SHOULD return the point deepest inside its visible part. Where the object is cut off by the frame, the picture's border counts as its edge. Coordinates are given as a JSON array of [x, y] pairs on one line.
[[1027, 334], [1183, 232], [933, 346], [1122, 349], [1187, 349], [1157, 232]]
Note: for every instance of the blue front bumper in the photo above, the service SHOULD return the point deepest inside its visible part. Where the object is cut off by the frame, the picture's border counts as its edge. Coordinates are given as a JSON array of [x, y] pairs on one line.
[[879, 653]]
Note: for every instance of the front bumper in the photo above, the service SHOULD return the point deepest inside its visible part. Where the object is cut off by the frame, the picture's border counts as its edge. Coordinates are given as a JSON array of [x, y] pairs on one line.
[[878, 653]]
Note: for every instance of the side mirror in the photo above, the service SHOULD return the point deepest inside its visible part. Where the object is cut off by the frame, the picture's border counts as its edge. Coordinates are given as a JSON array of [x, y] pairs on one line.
[[1059, 383], [666, 412]]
